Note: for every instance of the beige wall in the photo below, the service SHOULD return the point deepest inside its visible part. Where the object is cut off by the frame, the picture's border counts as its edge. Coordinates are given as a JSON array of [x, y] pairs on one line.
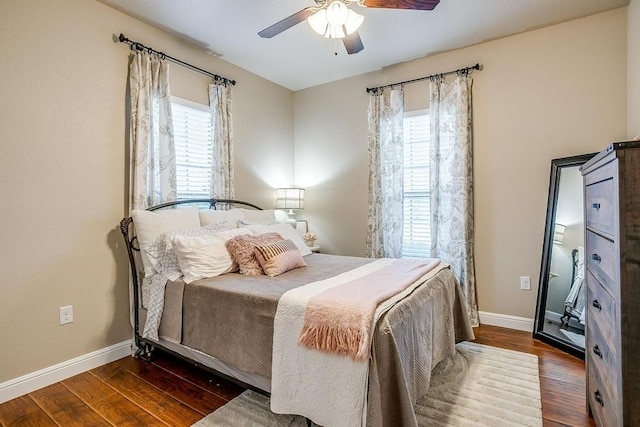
[[62, 169], [544, 94], [633, 73]]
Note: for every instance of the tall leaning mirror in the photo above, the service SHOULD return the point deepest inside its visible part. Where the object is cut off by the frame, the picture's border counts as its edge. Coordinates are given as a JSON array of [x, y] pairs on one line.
[[561, 293]]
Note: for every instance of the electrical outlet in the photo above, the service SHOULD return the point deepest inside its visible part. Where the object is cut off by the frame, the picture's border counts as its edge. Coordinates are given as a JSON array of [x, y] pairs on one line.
[[525, 283], [66, 314]]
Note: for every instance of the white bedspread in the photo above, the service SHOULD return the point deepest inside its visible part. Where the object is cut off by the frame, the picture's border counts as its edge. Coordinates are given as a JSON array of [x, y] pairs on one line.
[[330, 390]]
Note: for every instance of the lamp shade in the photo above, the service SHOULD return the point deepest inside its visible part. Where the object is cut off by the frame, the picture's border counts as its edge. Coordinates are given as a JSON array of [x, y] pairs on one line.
[[290, 198]]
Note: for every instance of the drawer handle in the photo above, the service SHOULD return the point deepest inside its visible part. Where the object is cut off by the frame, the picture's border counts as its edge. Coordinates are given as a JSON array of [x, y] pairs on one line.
[[598, 397], [595, 205], [596, 257], [596, 304], [597, 352]]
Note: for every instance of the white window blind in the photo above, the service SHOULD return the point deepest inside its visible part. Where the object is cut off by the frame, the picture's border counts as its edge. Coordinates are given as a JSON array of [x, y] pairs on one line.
[[193, 136], [416, 238]]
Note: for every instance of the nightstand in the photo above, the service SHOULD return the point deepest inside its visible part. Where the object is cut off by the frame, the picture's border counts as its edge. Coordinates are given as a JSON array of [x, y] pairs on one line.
[[314, 248]]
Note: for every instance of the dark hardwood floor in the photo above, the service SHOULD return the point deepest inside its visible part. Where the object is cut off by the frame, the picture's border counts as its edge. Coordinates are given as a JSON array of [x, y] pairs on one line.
[[132, 392]]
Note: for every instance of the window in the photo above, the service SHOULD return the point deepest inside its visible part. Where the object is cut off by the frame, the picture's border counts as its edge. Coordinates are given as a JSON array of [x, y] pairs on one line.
[[192, 131], [416, 237]]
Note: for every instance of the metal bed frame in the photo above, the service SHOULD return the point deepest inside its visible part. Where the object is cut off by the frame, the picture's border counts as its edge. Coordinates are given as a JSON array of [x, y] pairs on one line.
[[145, 347]]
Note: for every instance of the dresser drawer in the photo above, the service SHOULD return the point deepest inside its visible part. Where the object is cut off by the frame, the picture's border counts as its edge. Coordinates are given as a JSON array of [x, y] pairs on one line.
[[601, 356], [599, 206], [601, 260], [604, 408], [601, 310]]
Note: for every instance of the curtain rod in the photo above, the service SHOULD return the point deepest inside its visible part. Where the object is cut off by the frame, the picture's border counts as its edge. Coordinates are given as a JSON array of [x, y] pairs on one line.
[[460, 70], [141, 47]]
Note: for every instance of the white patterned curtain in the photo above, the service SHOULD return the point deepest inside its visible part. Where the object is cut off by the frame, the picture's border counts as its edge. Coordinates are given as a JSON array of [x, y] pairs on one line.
[[385, 138], [222, 184], [153, 159], [451, 164]]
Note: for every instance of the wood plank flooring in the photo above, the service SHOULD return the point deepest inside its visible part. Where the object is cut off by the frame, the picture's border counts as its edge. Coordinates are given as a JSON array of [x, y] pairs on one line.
[[170, 392]]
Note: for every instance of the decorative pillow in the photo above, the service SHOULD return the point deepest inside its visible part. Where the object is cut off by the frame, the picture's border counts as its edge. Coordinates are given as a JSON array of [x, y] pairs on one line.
[[161, 254], [150, 224], [241, 250], [279, 257], [266, 216], [204, 256], [286, 231], [211, 216]]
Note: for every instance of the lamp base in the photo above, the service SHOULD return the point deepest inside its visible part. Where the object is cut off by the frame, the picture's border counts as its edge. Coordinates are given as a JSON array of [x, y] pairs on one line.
[[292, 218]]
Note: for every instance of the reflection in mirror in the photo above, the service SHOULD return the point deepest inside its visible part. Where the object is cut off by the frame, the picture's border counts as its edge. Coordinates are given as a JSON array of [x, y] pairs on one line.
[[561, 293]]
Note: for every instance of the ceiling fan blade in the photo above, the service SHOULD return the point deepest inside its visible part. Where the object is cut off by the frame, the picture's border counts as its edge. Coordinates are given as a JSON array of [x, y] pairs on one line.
[[287, 23], [353, 43], [403, 4]]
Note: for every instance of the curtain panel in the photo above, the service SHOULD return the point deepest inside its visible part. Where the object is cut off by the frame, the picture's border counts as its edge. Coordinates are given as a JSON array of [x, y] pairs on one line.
[[153, 160], [222, 176], [386, 159], [451, 180]]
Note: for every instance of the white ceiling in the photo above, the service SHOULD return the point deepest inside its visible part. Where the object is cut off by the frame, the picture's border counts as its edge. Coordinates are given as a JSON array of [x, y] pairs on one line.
[[299, 58]]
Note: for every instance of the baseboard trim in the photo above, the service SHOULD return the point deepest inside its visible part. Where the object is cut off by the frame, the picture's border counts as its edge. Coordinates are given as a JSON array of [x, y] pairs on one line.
[[506, 321], [53, 374]]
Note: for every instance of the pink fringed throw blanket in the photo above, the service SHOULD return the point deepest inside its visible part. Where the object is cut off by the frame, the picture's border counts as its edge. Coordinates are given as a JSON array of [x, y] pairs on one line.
[[339, 320]]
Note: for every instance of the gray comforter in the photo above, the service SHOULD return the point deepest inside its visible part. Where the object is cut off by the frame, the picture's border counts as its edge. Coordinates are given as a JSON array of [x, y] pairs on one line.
[[231, 317], [409, 341]]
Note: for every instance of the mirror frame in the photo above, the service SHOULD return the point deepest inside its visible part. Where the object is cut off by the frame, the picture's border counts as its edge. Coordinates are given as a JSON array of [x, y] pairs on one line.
[[554, 184]]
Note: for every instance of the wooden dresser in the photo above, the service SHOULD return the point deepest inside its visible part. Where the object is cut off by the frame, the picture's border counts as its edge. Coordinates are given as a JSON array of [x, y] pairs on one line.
[[612, 252]]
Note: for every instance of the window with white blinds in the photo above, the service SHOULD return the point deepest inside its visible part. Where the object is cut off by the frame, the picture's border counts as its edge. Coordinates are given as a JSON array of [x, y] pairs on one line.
[[416, 238], [193, 136]]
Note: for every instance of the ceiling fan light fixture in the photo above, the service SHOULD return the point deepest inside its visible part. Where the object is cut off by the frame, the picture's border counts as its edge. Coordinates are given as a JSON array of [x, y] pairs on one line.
[[335, 21], [354, 20], [337, 13], [318, 22]]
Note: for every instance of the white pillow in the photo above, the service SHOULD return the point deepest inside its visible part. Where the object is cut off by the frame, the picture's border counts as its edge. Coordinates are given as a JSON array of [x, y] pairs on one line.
[[266, 216], [161, 254], [281, 216], [232, 216], [286, 231], [205, 256], [149, 225], [243, 223]]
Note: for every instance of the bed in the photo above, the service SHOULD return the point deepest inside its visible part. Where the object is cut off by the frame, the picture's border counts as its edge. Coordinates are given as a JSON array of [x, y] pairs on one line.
[[233, 324]]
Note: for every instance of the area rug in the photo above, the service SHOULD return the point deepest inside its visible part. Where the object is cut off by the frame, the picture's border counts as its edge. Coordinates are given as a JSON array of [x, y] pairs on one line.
[[577, 339], [478, 386]]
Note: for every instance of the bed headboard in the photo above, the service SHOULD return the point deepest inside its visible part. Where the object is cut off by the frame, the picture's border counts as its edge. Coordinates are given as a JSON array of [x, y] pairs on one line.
[[213, 203], [125, 224], [133, 248]]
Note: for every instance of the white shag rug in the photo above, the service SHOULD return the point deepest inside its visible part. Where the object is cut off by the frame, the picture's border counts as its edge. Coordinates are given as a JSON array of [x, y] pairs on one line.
[[479, 386]]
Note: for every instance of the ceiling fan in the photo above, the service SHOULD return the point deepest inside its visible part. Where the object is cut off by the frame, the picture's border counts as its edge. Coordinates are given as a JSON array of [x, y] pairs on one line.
[[333, 19]]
